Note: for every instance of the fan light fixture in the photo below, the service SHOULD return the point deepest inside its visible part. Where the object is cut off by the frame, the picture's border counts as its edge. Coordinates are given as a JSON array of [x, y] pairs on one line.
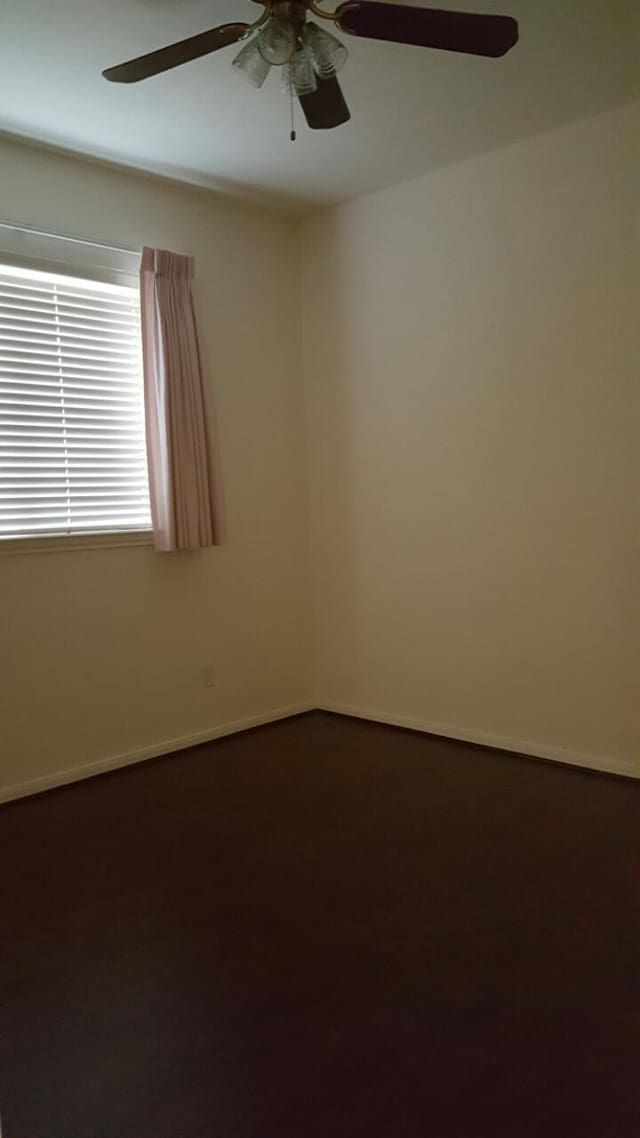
[[305, 51], [299, 77], [327, 54], [251, 63], [277, 41]]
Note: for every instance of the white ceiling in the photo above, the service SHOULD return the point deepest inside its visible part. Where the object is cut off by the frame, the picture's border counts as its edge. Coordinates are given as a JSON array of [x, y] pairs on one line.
[[413, 110]]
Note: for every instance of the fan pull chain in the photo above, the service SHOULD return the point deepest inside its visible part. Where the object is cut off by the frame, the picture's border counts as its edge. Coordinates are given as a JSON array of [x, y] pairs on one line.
[[292, 132]]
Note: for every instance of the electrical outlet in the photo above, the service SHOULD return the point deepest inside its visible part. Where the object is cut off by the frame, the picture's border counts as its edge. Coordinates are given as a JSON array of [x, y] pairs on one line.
[[207, 676]]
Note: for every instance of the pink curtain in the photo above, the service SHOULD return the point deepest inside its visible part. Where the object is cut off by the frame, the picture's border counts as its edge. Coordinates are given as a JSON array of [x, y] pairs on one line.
[[183, 476]]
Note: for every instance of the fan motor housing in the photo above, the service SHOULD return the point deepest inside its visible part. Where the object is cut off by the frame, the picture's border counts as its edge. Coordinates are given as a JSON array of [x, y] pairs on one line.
[[289, 11], [293, 10]]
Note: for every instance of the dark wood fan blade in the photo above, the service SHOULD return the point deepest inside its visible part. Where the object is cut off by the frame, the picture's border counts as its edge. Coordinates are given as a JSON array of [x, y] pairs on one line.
[[325, 107], [184, 51], [429, 27]]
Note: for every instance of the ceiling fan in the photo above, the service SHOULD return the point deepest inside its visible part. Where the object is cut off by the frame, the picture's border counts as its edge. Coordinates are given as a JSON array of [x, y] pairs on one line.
[[310, 56]]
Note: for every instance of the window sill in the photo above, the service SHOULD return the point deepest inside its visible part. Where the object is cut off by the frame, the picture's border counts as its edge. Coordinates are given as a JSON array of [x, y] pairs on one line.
[[61, 543]]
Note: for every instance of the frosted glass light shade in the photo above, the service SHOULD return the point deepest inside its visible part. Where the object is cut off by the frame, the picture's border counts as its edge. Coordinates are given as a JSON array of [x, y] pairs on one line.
[[326, 52], [299, 75], [277, 42], [251, 64]]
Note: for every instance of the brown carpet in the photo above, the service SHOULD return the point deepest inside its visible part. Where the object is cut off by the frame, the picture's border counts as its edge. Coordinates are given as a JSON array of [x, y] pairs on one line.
[[323, 929]]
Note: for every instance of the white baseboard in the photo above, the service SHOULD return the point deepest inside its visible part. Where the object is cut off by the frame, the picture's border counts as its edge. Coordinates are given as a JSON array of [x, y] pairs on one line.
[[164, 747], [462, 734], [591, 762]]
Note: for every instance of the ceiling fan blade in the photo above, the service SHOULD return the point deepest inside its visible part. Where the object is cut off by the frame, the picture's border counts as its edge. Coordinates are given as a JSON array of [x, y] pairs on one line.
[[325, 107], [167, 57], [469, 32]]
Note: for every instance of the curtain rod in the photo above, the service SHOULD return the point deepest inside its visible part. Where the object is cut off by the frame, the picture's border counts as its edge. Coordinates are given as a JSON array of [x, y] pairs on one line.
[[64, 237]]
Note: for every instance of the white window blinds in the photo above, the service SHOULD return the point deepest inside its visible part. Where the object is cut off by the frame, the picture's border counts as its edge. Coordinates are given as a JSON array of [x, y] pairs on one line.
[[72, 442]]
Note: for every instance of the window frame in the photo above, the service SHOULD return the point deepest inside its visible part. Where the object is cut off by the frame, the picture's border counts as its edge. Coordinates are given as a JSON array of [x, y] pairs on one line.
[[80, 269], [72, 542]]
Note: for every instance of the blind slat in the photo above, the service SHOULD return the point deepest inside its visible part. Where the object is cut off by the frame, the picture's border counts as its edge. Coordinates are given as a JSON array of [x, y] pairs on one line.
[[24, 499], [44, 466], [79, 525], [67, 363], [36, 420], [73, 389], [15, 428], [101, 321], [14, 396]]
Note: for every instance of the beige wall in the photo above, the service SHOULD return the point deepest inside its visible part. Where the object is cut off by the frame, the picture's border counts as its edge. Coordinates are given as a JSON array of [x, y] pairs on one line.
[[101, 650], [471, 365], [471, 357]]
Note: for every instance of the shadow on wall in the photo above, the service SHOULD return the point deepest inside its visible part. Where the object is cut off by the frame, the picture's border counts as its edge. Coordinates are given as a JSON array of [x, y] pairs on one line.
[[328, 364]]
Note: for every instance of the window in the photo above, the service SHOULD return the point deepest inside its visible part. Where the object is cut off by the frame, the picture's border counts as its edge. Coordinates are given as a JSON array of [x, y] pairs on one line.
[[72, 442]]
